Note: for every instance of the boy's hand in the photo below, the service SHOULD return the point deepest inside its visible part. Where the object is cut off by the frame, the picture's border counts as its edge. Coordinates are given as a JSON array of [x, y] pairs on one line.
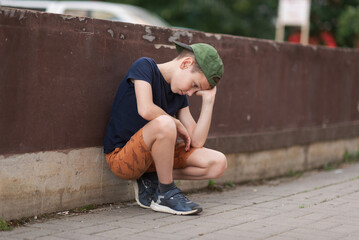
[[207, 95], [183, 133]]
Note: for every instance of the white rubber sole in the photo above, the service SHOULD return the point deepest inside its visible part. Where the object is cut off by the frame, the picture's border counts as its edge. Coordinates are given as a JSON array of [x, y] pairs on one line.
[[159, 208], [135, 187]]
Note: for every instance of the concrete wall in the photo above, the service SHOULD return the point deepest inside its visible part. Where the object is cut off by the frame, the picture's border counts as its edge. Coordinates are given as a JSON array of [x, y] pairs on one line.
[[280, 107]]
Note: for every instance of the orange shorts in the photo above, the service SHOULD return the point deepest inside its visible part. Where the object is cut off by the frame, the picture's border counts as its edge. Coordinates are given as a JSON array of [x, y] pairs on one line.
[[135, 158]]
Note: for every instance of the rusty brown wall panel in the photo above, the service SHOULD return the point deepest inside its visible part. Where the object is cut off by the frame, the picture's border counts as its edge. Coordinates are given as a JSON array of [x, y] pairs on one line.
[[59, 75]]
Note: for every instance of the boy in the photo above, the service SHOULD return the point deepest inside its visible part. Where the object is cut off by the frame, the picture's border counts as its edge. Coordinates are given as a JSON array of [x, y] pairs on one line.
[[141, 138]]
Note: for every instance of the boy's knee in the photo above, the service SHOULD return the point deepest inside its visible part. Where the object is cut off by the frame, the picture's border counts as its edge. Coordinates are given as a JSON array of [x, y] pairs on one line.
[[166, 127], [218, 165]]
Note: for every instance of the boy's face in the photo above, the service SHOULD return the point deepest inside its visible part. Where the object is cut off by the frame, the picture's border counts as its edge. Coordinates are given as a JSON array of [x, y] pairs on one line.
[[187, 82]]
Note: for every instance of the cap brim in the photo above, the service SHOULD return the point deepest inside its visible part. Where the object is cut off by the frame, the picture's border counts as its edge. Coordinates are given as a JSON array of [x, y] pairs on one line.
[[180, 46]]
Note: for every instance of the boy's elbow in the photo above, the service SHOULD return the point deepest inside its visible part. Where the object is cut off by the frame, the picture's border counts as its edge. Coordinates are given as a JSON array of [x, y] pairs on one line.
[[144, 113], [197, 144]]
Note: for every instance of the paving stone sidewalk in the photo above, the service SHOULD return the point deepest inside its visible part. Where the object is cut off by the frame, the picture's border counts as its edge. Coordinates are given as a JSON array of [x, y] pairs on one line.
[[318, 205]]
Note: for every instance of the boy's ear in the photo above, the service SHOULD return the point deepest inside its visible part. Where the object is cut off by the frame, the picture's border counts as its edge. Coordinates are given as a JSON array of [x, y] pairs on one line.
[[186, 62]]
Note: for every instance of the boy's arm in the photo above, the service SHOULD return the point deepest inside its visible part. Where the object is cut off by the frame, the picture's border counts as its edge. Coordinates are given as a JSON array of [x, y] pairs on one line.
[[149, 111], [199, 131]]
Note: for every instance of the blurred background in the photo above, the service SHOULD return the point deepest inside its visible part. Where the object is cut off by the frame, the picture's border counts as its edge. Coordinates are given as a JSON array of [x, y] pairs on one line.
[[333, 23]]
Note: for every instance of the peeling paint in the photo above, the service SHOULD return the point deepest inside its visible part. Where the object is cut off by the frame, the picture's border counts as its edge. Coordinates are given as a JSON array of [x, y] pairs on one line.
[[67, 17], [276, 46], [122, 36], [177, 34], [12, 13], [314, 48], [110, 31], [82, 19], [217, 36], [22, 15], [255, 47], [5, 12], [158, 46], [149, 37], [248, 117]]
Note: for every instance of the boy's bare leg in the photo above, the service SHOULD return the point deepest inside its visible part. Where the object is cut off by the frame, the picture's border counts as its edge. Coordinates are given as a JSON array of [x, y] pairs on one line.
[[202, 164], [160, 136]]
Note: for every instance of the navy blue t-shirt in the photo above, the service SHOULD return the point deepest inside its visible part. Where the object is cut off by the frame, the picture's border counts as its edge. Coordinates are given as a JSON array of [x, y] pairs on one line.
[[124, 120]]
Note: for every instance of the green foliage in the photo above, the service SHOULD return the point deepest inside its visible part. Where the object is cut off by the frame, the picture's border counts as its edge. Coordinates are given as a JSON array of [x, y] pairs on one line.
[[252, 18], [211, 183], [229, 184], [328, 166], [85, 209], [351, 157], [348, 27], [324, 16], [292, 173], [213, 186], [4, 226]]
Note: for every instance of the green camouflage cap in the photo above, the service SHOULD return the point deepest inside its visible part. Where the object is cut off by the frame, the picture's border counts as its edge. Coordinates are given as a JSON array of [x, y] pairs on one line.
[[207, 58]]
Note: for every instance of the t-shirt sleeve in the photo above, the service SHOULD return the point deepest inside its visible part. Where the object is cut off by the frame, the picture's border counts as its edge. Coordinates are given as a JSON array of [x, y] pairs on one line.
[[141, 69]]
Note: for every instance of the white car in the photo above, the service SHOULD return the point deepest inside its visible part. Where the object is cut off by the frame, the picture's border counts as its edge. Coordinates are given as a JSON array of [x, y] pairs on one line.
[[101, 10]]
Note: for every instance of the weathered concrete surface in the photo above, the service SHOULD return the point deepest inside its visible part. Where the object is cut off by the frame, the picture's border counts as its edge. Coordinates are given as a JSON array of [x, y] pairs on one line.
[[53, 181], [320, 206], [244, 167], [36, 183]]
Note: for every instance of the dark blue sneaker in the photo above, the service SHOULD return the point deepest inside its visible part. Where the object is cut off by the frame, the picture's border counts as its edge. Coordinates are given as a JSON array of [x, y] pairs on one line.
[[145, 187], [174, 202]]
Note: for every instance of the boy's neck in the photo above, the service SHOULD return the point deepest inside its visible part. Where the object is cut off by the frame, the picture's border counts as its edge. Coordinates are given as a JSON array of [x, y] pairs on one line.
[[167, 70]]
